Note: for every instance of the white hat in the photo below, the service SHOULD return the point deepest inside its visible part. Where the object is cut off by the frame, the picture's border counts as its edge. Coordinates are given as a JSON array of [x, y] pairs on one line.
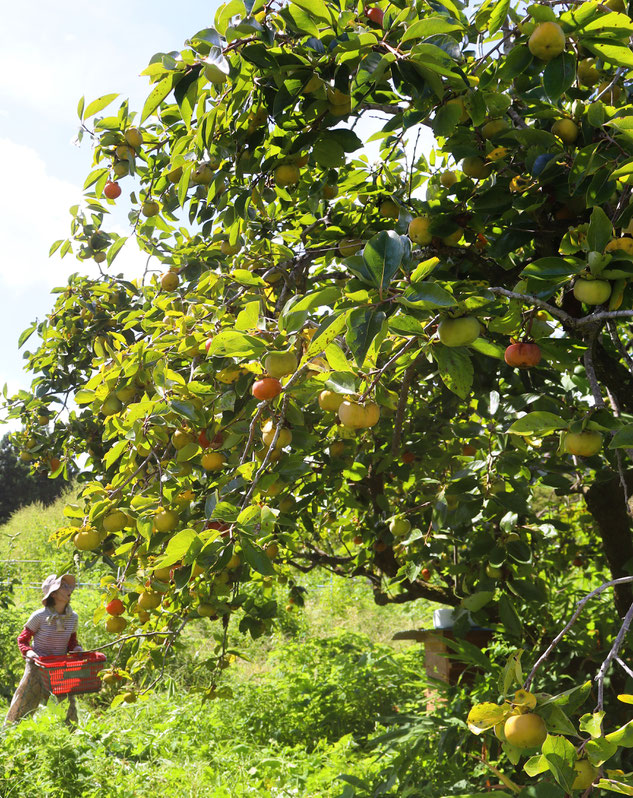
[[53, 583]]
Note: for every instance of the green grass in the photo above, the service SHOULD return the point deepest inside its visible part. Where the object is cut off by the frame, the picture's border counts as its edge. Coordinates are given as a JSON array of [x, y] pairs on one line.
[[304, 701]]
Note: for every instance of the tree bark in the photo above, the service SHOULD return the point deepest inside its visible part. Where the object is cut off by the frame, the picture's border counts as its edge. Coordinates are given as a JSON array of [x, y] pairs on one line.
[[606, 502]]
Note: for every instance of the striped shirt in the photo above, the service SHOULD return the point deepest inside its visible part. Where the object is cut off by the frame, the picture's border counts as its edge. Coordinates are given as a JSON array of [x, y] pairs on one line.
[[48, 640]]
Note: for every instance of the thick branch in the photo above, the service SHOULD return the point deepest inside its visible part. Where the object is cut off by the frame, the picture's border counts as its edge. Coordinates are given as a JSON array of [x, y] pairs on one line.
[[409, 591], [606, 503]]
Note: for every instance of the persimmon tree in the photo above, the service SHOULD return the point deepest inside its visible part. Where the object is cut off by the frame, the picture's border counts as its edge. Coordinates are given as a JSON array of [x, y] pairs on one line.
[[412, 367]]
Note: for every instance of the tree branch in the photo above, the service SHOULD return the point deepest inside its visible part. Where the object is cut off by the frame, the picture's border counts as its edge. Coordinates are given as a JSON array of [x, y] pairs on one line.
[[579, 608]]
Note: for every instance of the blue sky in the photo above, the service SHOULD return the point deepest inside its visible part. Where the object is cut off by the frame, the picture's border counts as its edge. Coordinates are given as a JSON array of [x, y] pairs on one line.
[[50, 55]]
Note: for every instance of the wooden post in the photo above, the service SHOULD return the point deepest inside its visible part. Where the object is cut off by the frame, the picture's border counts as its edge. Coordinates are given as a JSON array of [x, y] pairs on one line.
[[439, 662]]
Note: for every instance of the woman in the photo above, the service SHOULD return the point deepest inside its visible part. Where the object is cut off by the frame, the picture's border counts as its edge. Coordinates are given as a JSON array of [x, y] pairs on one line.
[[51, 631]]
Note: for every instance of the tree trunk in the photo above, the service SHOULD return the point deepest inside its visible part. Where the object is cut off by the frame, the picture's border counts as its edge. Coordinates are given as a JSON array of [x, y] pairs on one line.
[[606, 502]]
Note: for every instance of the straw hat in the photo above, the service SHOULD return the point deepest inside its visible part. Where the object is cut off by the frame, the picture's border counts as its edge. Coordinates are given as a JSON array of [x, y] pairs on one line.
[[53, 583]]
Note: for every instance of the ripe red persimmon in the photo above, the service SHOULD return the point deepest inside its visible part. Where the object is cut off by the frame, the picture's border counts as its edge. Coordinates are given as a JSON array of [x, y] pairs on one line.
[[266, 388], [408, 457], [522, 355], [425, 573], [112, 190], [203, 439], [375, 15], [115, 607]]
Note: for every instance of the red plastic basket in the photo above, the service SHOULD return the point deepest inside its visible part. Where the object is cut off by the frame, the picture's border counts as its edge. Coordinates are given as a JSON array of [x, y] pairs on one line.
[[71, 674]]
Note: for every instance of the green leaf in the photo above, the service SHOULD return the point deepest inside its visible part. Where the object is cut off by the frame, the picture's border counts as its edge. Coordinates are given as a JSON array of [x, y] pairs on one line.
[[476, 106], [316, 8], [99, 104], [485, 716], [226, 12], [509, 616], [476, 601], [515, 62], [84, 397], [536, 764], [178, 547], [113, 454], [553, 268], [579, 16], [616, 23], [26, 334], [328, 153], [559, 75], [428, 295], [623, 438], [463, 651], [512, 674], [216, 65], [498, 16], [625, 698], [363, 325], [599, 750], [430, 26], [316, 299], [622, 736], [600, 230], [543, 789], [557, 721], [612, 785], [586, 162], [173, 378], [455, 367], [248, 318], [447, 119], [537, 423], [423, 269], [257, 559], [488, 348], [592, 723], [230, 343], [327, 332], [572, 698], [623, 171], [336, 358], [616, 54], [157, 95], [341, 382], [383, 254], [346, 139], [114, 250], [185, 409], [303, 21], [561, 755]]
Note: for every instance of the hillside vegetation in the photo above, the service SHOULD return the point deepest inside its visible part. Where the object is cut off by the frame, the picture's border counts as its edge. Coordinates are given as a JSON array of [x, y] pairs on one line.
[[303, 707]]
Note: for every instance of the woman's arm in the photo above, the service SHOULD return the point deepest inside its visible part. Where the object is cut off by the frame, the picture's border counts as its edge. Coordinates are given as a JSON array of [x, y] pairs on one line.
[[24, 638]]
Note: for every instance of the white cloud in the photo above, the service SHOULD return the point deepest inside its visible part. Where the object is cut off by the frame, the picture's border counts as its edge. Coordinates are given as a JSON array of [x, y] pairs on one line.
[[33, 214]]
